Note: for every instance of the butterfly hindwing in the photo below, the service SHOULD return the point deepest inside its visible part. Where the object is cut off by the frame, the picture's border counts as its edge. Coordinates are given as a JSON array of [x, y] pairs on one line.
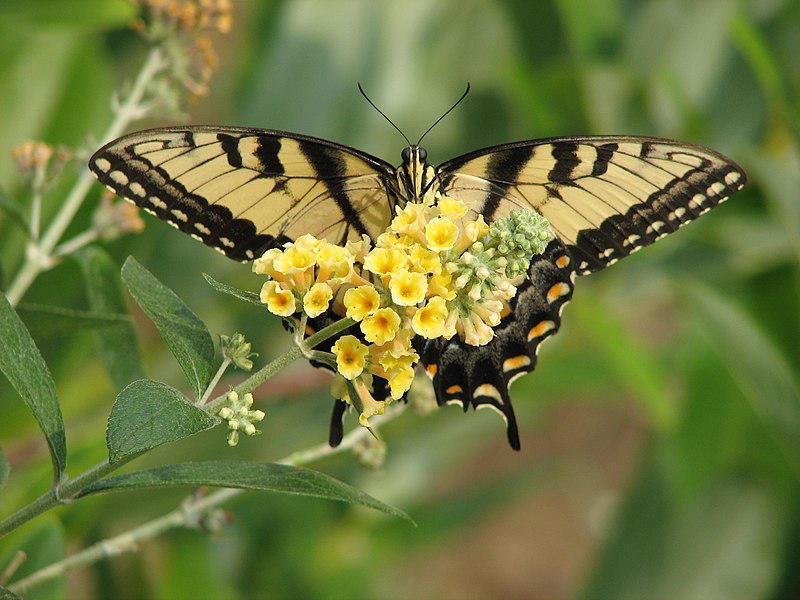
[[604, 196], [242, 190], [479, 376]]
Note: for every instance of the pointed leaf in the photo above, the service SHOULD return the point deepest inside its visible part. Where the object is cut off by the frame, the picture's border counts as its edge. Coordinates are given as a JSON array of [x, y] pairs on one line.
[[149, 413], [185, 334], [269, 477], [5, 469], [755, 362], [24, 367], [118, 346], [245, 295]]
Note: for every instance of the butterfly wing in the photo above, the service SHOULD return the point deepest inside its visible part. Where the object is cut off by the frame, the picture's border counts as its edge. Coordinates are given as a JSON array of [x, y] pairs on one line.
[[604, 197], [243, 190]]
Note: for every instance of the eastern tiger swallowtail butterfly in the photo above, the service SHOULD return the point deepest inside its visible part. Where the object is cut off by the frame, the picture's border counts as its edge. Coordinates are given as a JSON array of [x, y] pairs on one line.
[[243, 191]]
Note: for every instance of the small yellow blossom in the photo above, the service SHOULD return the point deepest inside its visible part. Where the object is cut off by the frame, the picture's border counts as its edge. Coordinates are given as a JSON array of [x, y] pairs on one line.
[[474, 331], [441, 234], [263, 264], [334, 261], [428, 321], [294, 258], [351, 356], [279, 301], [308, 242], [385, 261], [401, 382], [408, 289], [361, 301], [475, 230], [317, 299], [380, 326], [364, 401], [410, 219], [425, 261], [450, 207]]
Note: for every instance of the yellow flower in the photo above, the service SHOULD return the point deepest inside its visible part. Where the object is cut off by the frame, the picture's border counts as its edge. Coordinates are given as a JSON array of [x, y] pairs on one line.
[[351, 356], [361, 301], [408, 289], [475, 230], [450, 207], [380, 326], [317, 299], [425, 261], [359, 248], [263, 264], [428, 321], [385, 261], [294, 258], [364, 401], [474, 331], [369, 406], [279, 301], [399, 384], [441, 234], [410, 219], [334, 261], [394, 356], [296, 263], [442, 285]]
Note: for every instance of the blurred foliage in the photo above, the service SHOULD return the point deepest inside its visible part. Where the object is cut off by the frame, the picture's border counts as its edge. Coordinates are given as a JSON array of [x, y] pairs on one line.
[[661, 430]]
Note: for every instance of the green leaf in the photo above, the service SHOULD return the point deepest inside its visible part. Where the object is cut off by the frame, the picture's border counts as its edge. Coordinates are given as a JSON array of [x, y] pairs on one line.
[[24, 367], [5, 469], [761, 370], [268, 477], [118, 346], [149, 413], [185, 334], [48, 321], [245, 295]]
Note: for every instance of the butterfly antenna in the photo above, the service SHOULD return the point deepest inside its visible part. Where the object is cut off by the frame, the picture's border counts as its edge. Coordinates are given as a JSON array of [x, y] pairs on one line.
[[383, 114], [449, 110]]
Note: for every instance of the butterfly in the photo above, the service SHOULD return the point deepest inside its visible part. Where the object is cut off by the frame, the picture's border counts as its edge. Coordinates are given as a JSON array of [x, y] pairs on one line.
[[243, 191]]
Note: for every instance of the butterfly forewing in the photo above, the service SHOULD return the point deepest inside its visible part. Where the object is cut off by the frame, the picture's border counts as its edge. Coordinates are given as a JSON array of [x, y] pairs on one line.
[[242, 191], [604, 197]]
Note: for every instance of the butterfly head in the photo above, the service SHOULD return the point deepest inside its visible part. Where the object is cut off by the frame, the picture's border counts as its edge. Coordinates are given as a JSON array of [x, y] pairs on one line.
[[414, 175]]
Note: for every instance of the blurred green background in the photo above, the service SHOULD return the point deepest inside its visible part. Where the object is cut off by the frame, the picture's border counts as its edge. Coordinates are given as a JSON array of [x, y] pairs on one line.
[[661, 431]]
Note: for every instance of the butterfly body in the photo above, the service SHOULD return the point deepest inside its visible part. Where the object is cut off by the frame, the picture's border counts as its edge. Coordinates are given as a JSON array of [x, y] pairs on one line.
[[243, 191]]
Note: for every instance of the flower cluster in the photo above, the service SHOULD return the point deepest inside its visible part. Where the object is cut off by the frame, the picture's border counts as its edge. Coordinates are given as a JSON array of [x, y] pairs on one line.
[[181, 27], [434, 273], [240, 416]]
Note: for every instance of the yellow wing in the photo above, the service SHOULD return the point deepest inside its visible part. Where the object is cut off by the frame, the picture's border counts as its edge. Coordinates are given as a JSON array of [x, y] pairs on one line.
[[244, 190], [604, 197]]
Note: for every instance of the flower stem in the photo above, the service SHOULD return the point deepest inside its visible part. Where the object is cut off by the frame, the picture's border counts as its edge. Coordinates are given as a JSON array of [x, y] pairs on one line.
[[186, 514], [129, 110]]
